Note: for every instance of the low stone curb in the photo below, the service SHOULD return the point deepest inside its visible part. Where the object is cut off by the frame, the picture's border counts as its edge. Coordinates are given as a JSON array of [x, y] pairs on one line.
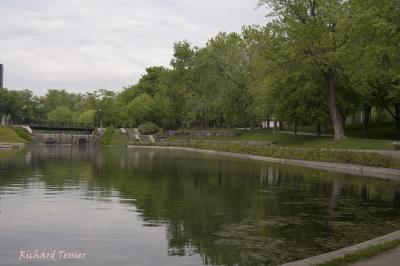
[[386, 173], [11, 145], [345, 251]]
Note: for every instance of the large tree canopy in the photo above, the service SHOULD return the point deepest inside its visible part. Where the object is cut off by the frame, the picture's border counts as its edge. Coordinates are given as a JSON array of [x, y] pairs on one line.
[[316, 63]]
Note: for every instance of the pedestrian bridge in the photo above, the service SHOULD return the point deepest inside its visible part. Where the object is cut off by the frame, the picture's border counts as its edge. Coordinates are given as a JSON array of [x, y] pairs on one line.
[[64, 127], [63, 133]]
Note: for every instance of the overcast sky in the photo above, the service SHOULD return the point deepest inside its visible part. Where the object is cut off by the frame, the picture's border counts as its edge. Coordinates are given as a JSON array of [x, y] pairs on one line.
[[82, 45]]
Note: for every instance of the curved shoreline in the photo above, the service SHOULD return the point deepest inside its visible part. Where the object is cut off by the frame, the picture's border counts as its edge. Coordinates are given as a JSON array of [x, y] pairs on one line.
[[340, 253], [385, 173]]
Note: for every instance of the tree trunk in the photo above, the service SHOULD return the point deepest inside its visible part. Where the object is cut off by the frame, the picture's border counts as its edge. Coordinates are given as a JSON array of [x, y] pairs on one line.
[[398, 117], [333, 201], [319, 129], [344, 119], [366, 117], [275, 125], [221, 120], [295, 128], [353, 118], [336, 118], [268, 120], [281, 126]]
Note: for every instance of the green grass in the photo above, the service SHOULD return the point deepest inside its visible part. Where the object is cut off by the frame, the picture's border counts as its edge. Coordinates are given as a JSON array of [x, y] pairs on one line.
[[119, 139], [8, 154], [379, 137], [386, 130], [288, 140], [376, 131], [23, 134], [108, 135], [323, 155], [8, 135], [362, 254]]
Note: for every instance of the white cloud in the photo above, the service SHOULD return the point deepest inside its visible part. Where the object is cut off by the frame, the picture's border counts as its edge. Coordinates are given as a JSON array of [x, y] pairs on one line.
[[90, 44]]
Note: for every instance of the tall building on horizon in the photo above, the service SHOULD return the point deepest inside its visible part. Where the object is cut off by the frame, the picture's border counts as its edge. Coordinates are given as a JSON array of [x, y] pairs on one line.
[[1, 75]]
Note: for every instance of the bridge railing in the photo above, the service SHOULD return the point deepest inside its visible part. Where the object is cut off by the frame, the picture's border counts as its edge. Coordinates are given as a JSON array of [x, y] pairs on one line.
[[62, 125]]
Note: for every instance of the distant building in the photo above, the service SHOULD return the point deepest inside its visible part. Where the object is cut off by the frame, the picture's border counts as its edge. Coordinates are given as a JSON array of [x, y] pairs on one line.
[[1, 76], [270, 123]]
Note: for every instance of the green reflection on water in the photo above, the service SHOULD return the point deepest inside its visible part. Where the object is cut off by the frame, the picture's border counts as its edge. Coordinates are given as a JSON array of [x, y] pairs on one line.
[[230, 212]]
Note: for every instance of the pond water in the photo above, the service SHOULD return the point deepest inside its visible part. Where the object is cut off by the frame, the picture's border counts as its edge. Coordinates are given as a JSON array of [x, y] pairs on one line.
[[153, 207]]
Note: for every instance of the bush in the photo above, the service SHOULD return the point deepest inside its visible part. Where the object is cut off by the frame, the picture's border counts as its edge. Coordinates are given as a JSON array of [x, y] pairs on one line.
[[23, 133], [107, 137], [148, 128]]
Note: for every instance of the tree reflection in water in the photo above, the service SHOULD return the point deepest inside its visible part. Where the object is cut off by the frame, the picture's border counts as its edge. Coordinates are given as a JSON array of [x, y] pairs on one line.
[[229, 211]]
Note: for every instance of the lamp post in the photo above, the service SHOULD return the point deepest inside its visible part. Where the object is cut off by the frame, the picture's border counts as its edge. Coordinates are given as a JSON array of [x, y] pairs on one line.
[[99, 118], [1, 75], [24, 116]]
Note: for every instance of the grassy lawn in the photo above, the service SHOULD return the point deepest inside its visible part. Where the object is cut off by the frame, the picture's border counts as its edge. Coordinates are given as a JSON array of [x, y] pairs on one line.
[[287, 140], [108, 135], [8, 135], [376, 131], [322, 155], [118, 138], [386, 130]]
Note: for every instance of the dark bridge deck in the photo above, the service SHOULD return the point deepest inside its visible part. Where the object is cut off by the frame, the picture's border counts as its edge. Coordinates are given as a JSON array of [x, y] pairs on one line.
[[63, 126]]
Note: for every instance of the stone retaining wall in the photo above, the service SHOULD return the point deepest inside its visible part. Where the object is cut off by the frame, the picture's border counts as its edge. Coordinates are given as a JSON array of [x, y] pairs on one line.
[[63, 139], [210, 141], [201, 133], [345, 251]]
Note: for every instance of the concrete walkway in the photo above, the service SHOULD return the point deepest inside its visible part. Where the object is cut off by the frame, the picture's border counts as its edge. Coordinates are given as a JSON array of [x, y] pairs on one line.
[[134, 134], [389, 258], [304, 133]]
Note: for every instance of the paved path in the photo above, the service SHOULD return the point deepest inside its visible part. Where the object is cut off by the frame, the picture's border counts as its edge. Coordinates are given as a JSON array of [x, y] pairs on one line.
[[304, 133], [390, 258]]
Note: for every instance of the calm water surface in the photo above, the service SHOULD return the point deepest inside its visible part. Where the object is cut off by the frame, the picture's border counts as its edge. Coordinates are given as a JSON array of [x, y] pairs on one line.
[[150, 207]]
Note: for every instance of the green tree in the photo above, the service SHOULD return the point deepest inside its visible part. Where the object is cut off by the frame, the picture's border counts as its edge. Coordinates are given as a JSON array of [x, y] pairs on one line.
[[61, 114], [149, 83], [373, 60], [88, 116], [314, 32], [140, 109], [56, 98], [105, 105], [176, 84], [17, 104]]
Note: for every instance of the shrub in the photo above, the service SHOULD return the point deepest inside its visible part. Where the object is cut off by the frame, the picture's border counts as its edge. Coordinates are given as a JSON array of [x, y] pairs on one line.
[[23, 133], [107, 137], [148, 128]]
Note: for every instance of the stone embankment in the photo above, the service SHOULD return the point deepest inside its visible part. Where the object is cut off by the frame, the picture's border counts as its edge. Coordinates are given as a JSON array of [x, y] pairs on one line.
[[134, 135], [322, 258], [386, 173], [63, 139], [201, 133]]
